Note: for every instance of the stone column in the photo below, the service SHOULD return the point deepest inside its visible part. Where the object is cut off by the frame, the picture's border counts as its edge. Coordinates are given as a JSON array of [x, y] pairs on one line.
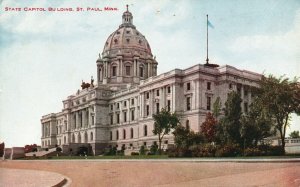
[[77, 120], [134, 67], [83, 115], [242, 96], [142, 104]]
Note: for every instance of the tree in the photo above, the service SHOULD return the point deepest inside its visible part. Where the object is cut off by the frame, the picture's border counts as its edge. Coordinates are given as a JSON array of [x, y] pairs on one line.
[[280, 97], [256, 125], [230, 125], [184, 137], [164, 121], [209, 127], [294, 134], [217, 108]]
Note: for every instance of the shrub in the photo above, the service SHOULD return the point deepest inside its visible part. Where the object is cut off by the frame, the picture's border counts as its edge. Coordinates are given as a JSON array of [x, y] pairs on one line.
[[206, 150], [153, 149], [143, 150], [228, 150], [179, 152], [134, 153], [58, 149], [110, 151], [252, 152], [267, 150]]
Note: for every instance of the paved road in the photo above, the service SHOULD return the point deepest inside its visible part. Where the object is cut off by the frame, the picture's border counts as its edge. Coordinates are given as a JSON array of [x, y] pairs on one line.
[[164, 173]]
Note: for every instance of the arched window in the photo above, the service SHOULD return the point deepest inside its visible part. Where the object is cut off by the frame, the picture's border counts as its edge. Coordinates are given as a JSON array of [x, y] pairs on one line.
[[92, 136], [117, 135], [141, 71], [187, 124], [145, 130], [131, 133], [124, 134], [114, 71]]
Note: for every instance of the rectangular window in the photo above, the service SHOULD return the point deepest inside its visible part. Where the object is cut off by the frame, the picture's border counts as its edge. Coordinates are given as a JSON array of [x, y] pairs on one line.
[[208, 85], [125, 116], [111, 119], [147, 95], [188, 86], [118, 105], [169, 89], [157, 108], [245, 92], [188, 103], [208, 103], [141, 72], [111, 107], [246, 107], [114, 71], [125, 103], [147, 110], [157, 92], [169, 105], [118, 118], [132, 101], [127, 70], [230, 86], [132, 115]]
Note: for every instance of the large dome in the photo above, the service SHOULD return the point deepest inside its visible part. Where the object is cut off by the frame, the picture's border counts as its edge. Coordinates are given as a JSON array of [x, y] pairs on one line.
[[127, 39]]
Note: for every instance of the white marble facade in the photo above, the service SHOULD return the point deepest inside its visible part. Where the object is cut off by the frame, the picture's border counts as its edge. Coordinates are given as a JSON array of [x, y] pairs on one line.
[[118, 109]]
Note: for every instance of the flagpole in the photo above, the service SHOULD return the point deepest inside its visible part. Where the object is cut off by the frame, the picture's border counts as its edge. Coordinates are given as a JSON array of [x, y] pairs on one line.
[[207, 39]]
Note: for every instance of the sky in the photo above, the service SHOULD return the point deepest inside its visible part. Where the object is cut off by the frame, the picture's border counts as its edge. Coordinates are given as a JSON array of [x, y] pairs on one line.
[[45, 55]]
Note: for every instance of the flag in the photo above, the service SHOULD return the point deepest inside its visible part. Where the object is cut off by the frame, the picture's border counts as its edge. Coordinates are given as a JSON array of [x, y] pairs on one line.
[[209, 24]]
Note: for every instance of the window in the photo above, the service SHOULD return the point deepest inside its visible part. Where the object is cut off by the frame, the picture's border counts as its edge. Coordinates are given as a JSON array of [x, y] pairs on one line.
[[145, 130], [118, 105], [147, 95], [208, 99], [114, 71], [131, 133], [208, 85], [188, 86], [132, 101], [188, 103], [127, 40], [166, 142], [147, 110], [125, 103], [141, 72], [246, 107], [92, 137], [145, 143], [118, 118], [157, 108], [230, 86], [127, 69], [117, 135], [110, 135], [169, 89], [157, 92], [111, 119], [132, 115], [111, 107], [124, 134], [245, 92], [125, 116], [169, 105], [187, 124]]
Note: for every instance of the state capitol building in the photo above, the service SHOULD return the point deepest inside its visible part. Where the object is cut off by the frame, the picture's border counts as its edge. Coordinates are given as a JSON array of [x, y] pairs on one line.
[[117, 109]]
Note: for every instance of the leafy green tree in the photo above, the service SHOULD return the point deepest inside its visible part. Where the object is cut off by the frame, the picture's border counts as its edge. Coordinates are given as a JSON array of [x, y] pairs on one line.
[[256, 125], [185, 138], [164, 122], [209, 128], [217, 106], [294, 134], [280, 97], [230, 125]]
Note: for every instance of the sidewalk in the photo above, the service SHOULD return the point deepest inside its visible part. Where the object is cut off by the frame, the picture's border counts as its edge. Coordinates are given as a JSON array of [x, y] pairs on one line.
[[30, 178]]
